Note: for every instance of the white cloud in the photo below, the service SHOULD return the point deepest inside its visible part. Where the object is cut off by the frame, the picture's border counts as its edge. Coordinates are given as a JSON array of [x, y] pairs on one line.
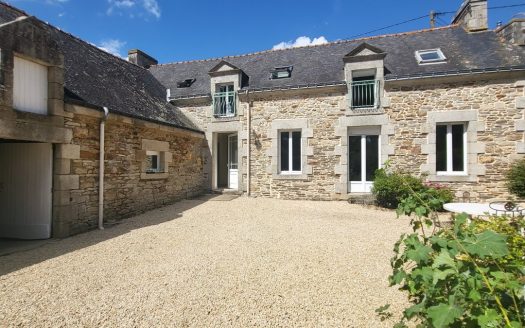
[[152, 7], [300, 42], [133, 7], [113, 46]]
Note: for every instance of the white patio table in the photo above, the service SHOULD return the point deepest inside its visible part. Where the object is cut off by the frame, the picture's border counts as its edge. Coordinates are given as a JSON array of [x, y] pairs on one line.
[[476, 209]]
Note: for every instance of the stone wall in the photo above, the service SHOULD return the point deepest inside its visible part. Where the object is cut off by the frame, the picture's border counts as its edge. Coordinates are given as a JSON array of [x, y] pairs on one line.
[[499, 107], [496, 135], [127, 192], [321, 112]]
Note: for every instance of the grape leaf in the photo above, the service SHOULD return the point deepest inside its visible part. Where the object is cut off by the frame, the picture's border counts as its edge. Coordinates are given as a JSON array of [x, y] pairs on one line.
[[443, 315], [488, 243]]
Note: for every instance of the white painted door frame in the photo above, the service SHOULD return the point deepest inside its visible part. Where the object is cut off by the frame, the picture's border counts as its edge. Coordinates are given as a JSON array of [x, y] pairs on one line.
[[364, 186], [233, 161]]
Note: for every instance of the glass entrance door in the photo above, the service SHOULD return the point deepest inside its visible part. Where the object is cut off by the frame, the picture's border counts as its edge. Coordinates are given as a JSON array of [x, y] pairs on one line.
[[363, 161], [233, 169]]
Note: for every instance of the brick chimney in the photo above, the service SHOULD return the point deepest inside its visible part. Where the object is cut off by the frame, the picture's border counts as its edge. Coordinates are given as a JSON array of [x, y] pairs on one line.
[[513, 31], [141, 58], [472, 15]]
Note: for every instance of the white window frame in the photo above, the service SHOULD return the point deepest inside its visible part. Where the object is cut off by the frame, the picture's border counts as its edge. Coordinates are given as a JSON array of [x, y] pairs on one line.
[[159, 166], [449, 150], [290, 153], [422, 61]]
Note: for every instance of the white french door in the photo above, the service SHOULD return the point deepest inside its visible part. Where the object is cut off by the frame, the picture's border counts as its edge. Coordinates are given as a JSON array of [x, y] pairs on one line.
[[364, 158], [233, 167]]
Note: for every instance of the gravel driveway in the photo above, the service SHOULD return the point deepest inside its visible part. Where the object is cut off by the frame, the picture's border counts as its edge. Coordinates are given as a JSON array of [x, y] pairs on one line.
[[245, 262]]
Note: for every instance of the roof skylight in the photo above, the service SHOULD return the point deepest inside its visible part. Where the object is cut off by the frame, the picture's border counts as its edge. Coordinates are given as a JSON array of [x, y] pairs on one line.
[[430, 56], [185, 84], [282, 72]]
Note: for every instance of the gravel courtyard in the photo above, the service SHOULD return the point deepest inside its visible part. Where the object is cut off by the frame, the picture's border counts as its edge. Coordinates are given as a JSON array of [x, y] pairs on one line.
[[208, 263]]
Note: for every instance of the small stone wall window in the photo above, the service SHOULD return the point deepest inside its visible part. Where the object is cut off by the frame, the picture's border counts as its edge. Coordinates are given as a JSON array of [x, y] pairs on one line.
[[290, 152], [153, 163], [451, 149], [155, 158]]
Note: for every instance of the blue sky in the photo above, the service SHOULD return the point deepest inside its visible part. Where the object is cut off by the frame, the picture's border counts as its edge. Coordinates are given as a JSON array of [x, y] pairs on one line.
[[176, 30]]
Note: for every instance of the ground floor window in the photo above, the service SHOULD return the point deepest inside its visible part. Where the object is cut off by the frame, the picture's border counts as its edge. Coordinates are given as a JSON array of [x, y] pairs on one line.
[[451, 149], [153, 163], [290, 152]]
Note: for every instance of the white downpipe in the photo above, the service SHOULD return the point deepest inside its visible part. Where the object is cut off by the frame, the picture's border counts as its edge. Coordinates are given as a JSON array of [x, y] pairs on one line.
[[101, 172], [248, 136]]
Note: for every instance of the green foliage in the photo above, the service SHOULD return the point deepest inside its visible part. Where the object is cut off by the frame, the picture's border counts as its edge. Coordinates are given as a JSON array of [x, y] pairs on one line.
[[444, 195], [516, 178], [510, 227], [390, 188], [470, 274]]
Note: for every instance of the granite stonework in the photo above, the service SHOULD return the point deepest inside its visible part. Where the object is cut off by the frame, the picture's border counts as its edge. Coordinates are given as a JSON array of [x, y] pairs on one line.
[[128, 189], [492, 107]]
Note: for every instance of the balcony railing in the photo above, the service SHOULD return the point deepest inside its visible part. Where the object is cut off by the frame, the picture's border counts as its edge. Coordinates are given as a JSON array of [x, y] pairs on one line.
[[224, 104], [364, 94]]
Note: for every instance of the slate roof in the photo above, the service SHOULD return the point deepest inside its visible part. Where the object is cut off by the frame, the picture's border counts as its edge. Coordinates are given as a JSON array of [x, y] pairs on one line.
[[9, 13], [97, 78], [323, 64]]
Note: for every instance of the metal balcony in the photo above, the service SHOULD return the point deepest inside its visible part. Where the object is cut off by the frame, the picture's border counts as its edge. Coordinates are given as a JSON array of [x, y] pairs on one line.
[[364, 94], [224, 104]]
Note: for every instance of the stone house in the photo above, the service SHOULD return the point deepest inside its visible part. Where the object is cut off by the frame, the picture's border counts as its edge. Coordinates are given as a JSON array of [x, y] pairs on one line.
[[316, 122], [62, 101], [302, 123]]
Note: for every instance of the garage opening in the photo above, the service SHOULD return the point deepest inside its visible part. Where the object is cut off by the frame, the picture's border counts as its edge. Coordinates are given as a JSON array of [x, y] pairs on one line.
[[25, 189]]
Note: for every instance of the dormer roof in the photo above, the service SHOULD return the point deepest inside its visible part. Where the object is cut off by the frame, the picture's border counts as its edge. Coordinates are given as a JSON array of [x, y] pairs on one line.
[[364, 52]]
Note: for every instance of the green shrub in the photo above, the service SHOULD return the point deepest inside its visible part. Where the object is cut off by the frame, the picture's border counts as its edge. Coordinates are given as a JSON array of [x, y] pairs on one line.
[[390, 188], [457, 277], [516, 178], [510, 227], [470, 274]]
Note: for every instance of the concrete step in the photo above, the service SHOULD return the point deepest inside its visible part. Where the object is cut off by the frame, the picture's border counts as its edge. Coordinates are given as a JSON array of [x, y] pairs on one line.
[[362, 198], [226, 191]]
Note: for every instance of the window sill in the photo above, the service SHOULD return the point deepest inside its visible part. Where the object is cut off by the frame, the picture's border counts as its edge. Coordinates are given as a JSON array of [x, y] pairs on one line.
[[300, 176], [226, 118], [453, 178], [452, 174], [154, 176], [364, 110]]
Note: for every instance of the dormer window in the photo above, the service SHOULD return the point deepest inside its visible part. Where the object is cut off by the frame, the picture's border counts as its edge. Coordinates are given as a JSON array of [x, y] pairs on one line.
[[364, 89], [282, 72], [430, 56], [224, 101], [185, 84]]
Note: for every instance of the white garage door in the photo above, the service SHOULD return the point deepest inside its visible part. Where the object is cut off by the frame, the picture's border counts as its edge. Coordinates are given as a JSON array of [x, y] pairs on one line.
[[25, 190]]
